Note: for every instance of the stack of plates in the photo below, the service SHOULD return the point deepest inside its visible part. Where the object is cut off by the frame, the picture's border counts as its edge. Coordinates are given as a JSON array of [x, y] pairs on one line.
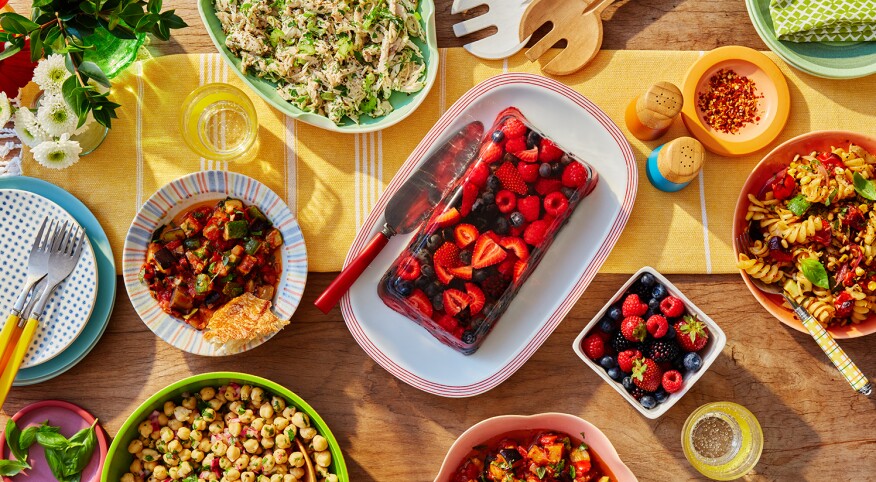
[[79, 309]]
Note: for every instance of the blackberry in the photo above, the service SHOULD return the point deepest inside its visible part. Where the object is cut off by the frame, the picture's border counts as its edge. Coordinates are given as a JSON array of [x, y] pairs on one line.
[[469, 336], [619, 343], [494, 286], [438, 302], [433, 289], [556, 170], [638, 393], [493, 183], [500, 227], [663, 351], [498, 136], [480, 275]]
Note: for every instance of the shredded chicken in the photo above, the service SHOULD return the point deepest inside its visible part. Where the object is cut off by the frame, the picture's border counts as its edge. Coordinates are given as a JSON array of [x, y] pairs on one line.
[[338, 58]]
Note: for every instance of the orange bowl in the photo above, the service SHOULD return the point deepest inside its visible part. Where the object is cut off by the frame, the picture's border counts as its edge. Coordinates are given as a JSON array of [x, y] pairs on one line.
[[779, 158]]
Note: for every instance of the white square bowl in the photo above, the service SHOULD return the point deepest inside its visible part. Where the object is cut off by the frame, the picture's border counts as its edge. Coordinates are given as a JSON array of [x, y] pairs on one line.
[[717, 340]]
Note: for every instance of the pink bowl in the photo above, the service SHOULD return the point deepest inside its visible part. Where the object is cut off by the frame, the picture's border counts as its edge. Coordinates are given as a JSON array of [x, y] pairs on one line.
[[560, 422], [776, 160]]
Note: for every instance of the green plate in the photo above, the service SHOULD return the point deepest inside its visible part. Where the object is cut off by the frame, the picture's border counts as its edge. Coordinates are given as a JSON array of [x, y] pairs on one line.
[[118, 459], [404, 104], [832, 60]]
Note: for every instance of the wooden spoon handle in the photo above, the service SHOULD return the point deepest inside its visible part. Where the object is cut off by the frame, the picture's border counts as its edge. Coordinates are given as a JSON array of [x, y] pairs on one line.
[[311, 472]]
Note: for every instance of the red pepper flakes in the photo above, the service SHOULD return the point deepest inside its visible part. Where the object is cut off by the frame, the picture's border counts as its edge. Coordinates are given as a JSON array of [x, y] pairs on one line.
[[731, 102]]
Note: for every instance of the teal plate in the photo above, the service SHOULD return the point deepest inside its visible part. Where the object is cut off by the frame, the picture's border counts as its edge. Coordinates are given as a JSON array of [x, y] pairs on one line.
[[832, 60], [404, 104], [106, 280]]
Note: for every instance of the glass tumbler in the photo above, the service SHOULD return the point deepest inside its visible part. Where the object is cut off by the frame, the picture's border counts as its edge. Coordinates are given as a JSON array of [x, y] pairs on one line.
[[219, 122], [722, 440]]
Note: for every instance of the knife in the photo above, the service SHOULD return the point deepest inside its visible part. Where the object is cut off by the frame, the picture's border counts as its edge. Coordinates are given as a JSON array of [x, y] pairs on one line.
[[411, 204]]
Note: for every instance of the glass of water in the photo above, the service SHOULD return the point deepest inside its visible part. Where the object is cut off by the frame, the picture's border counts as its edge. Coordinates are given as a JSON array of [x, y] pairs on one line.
[[219, 122]]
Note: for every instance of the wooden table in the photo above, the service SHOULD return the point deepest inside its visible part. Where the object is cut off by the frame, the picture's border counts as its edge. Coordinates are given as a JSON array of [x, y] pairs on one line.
[[815, 427]]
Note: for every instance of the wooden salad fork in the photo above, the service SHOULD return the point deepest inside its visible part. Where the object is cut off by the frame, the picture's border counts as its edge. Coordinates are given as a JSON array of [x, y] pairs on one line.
[[825, 340], [311, 472]]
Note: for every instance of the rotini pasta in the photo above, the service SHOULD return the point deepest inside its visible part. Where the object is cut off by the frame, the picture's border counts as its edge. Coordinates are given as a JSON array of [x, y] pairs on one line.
[[811, 222]]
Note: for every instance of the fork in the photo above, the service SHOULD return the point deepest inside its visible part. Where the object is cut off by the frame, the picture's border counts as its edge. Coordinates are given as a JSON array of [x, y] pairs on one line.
[[825, 340], [65, 251]]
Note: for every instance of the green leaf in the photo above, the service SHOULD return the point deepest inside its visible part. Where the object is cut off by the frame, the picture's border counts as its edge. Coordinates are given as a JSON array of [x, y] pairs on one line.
[[10, 51], [55, 460], [9, 468], [864, 187], [172, 20], [540, 471], [154, 6], [161, 31], [36, 45], [41, 3], [13, 440], [88, 8], [15, 23], [52, 440], [93, 71], [798, 205], [146, 22], [131, 14], [814, 271], [28, 437], [81, 448]]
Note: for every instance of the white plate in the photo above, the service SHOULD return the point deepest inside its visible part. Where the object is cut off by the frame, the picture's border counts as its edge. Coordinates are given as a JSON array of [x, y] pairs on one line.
[[178, 196], [410, 353], [70, 306]]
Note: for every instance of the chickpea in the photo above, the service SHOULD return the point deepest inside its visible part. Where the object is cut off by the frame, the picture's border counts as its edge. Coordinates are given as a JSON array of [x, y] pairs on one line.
[[288, 412], [150, 466], [242, 462], [135, 446], [129, 477], [219, 448], [162, 419], [185, 469], [280, 423], [266, 411], [174, 424], [184, 433], [170, 459], [276, 478], [174, 446], [136, 466], [282, 442], [145, 429], [204, 445], [296, 459], [160, 472], [297, 472], [245, 392], [230, 394], [246, 477], [199, 423], [258, 423], [268, 431], [185, 454], [234, 428], [208, 414], [289, 478], [197, 455], [268, 443], [255, 463], [168, 408], [280, 456], [215, 404], [307, 433], [207, 393], [268, 463], [161, 446], [190, 403], [331, 478], [247, 416], [195, 435], [300, 420], [173, 472], [225, 464], [217, 427], [278, 404], [251, 445], [181, 413], [237, 408], [208, 460], [149, 455], [232, 474], [258, 395], [323, 459], [291, 432], [232, 453], [321, 472], [281, 469], [319, 443]]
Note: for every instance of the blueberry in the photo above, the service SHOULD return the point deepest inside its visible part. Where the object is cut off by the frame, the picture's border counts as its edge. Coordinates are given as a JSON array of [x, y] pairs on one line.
[[424, 256], [426, 271], [607, 362], [648, 401], [438, 302], [647, 279], [533, 139], [402, 287], [432, 289], [434, 242], [491, 211], [488, 198], [479, 275], [568, 192], [659, 292], [615, 373], [544, 170], [447, 234], [469, 337], [465, 257], [517, 219], [670, 333], [615, 313], [480, 223], [498, 136], [628, 384], [661, 395], [693, 362], [500, 226], [654, 304], [422, 282], [651, 312], [493, 183], [607, 325]]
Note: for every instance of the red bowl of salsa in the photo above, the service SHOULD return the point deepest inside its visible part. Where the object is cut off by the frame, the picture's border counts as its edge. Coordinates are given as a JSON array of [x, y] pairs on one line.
[[549, 447]]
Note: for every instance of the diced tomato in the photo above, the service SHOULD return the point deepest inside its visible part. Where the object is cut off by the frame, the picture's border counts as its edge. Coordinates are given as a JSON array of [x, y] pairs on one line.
[[831, 161], [844, 305], [784, 184], [547, 439], [173, 244], [581, 467], [854, 218], [824, 234]]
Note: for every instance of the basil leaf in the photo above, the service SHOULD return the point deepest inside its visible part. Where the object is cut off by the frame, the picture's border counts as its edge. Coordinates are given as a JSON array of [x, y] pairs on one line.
[[52, 440], [814, 271], [79, 453], [13, 440], [56, 462], [864, 187], [8, 468], [28, 437], [798, 205]]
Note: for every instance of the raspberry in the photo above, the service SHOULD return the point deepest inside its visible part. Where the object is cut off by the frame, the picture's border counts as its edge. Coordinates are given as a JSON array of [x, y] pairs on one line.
[[633, 328], [672, 381], [657, 326], [672, 307], [535, 233], [593, 347], [555, 203], [515, 145], [633, 307], [491, 153], [545, 186], [514, 128], [625, 359], [510, 178], [574, 175], [549, 151], [530, 208], [479, 175], [529, 172], [409, 269], [506, 201]]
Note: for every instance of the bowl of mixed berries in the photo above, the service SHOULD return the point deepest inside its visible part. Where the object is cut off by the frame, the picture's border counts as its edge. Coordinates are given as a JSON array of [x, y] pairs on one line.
[[650, 343]]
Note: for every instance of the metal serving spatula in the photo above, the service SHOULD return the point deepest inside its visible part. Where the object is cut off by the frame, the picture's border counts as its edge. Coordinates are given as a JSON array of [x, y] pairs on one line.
[[505, 15]]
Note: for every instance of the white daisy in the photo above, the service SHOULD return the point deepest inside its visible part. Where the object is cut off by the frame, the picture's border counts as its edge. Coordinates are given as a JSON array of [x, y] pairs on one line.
[[59, 154], [50, 73], [5, 109], [28, 128], [55, 115]]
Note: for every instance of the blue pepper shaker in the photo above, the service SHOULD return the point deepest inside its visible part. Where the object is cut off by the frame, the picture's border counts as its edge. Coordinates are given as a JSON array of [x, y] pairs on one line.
[[675, 164]]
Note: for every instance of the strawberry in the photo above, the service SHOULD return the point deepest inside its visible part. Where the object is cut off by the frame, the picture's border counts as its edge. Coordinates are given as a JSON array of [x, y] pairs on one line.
[[535, 233], [633, 307], [469, 194], [446, 322], [510, 178], [545, 186], [646, 374], [492, 235], [672, 381], [479, 175], [555, 203], [516, 246], [574, 175], [455, 301], [516, 144], [549, 151], [447, 255], [477, 298], [593, 347], [409, 269], [506, 201], [420, 302], [465, 234], [487, 252], [461, 272], [519, 269], [672, 307], [692, 333], [528, 172], [513, 128], [530, 208], [506, 267], [517, 231], [657, 326], [447, 218], [443, 274], [633, 328], [529, 155], [625, 359], [491, 152]]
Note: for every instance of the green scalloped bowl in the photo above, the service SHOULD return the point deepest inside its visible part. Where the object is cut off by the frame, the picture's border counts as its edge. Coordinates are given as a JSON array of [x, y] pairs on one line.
[[831, 60], [118, 459], [404, 104]]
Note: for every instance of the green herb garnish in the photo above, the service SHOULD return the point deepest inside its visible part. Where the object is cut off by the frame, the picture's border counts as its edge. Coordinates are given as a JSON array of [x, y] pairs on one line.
[[864, 187], [814, 271], [798, 205]]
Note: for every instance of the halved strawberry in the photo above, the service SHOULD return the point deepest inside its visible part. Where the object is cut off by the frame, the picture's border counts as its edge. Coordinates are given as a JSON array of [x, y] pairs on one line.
[[516, 246], [443, 274], [447, 218], [491, 152], [519, 268], [506, 201], [465, 234], [455, 301], [513, 128], [469, 194], [477, 298], [492, 235], [446, 322], [545, 186], [510, 178], [506, 267], [528, 171], [462, 272], [549, 151], [479, 175], [529, 155], [409, 268], [487, 252], [420, 302], [446, 255], [516, 144]]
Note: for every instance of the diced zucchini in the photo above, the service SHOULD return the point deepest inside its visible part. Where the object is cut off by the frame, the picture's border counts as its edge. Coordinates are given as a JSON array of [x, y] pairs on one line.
[[237, 250], [235, 230], [232, 205], [252, 246], [201, 252], [192, 243], [202, 284], [254, 213], [172, 234], [190, 226], [230, 259], [232, 290], [142, 275], [274, 238], [212, 269]]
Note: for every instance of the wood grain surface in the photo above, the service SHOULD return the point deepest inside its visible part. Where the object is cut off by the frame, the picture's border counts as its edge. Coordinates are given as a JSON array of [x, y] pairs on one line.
[[815, 427]]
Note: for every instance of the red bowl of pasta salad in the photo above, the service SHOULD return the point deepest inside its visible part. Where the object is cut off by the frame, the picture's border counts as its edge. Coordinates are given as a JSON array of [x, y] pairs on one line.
[[809, 208]]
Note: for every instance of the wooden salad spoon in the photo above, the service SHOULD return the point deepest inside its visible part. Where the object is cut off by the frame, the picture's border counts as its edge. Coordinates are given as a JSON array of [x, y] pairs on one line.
[[311, 472]]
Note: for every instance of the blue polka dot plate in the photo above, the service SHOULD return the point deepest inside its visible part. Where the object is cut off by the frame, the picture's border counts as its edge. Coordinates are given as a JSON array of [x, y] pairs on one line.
[[179, 196], [72, 302]]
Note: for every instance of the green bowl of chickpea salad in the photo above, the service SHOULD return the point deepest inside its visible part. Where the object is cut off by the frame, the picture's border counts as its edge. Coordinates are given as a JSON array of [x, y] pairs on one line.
[[223, 426], [357, 66]]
